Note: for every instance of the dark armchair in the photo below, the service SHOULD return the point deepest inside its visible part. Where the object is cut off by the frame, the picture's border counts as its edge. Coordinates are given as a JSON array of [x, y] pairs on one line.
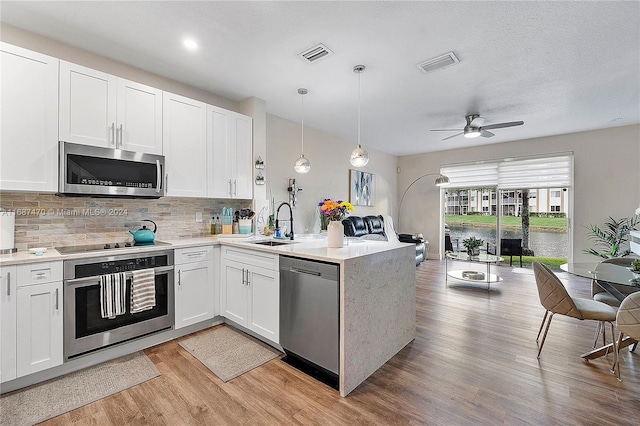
[[508, 247]]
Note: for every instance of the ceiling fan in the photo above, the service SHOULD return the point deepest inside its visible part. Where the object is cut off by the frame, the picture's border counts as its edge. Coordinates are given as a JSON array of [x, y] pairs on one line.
[[475, 128]]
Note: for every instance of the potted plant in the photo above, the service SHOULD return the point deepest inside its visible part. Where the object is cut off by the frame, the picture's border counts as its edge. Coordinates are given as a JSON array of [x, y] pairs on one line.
[[612, 240], [472, 244]]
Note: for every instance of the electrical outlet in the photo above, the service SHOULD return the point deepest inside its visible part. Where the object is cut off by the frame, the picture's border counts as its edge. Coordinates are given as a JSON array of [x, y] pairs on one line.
[[199, 217]]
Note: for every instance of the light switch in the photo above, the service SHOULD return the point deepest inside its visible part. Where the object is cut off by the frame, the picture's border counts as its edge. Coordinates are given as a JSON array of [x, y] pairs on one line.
[[199, 217]]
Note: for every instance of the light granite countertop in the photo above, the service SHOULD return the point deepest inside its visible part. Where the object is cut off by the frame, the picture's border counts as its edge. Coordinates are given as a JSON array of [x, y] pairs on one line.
[[309, 246], [314, 248]]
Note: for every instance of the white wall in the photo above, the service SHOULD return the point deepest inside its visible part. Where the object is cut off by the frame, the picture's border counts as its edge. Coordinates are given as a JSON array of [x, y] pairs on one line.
[[606, 179], [329, 175]]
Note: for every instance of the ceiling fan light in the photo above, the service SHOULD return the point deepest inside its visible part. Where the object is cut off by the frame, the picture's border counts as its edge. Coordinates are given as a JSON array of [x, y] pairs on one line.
[[302, 165], [359, 157], [472, 133]]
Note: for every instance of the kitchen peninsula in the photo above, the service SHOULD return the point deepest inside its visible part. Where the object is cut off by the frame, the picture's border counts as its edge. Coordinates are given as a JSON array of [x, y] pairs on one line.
[[376, 298]]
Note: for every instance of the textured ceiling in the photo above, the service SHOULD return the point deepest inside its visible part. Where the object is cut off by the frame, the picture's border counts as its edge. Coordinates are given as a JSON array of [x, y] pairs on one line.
[[561, 67]]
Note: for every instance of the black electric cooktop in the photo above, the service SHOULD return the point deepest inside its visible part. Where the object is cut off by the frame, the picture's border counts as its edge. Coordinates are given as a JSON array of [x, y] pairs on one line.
[[106, 247]]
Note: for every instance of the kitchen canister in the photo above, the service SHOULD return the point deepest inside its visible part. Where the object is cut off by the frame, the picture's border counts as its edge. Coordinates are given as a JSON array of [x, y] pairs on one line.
[[335, 234], [7, 232], [245, 226], [227, 220]]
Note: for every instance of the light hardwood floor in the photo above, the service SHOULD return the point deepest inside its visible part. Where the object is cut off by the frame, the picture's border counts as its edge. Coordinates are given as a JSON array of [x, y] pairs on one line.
[[473, 362]]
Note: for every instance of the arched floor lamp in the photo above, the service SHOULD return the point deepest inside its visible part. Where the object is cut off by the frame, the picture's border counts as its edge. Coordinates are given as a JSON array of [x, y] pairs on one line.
[[441, 180]]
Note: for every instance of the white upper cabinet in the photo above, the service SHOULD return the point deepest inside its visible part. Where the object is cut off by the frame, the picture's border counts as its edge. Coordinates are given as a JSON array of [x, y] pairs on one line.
[[100, 109], [184, 134], [243, 161], [230, 139], [29, 110]]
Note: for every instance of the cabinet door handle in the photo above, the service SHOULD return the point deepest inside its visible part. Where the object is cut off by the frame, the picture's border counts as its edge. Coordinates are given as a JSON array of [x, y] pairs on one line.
[[230, 192], [235, 187], [120, 131], [179, 278], [113, 133], [196, 254], [8, 283], [248, 278], [57, 299]]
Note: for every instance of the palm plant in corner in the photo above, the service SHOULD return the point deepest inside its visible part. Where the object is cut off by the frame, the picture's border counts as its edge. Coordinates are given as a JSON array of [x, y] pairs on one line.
[[613, 239]]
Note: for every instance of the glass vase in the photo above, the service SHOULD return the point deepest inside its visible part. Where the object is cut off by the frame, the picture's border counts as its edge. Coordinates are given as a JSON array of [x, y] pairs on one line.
[[324, 222]]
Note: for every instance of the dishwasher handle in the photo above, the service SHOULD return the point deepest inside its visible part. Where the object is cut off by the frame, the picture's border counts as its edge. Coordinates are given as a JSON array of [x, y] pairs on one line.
[[302, 271]]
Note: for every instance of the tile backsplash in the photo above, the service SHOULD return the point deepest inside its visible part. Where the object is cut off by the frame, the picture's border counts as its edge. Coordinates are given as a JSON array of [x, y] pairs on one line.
[[47, 220]]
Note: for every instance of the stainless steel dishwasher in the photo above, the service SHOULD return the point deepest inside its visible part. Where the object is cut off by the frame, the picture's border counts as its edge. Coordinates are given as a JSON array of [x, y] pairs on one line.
[[310, 317]]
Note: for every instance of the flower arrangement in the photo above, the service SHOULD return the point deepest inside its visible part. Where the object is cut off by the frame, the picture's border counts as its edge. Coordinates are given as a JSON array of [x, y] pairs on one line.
[[334, 210]]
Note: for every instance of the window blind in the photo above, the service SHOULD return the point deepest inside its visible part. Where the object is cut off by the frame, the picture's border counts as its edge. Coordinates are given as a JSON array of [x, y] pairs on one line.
[[550, 172], [514, 173], [480, 175]]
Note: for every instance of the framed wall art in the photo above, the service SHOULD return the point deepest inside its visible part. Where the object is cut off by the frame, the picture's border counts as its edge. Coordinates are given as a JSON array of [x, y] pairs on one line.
[[362, 188]]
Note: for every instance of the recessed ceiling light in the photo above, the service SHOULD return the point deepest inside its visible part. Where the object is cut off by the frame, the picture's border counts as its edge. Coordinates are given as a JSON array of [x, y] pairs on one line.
[[190, 44]]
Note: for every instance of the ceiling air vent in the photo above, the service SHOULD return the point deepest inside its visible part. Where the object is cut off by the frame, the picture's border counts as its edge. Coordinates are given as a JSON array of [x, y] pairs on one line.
[[315, 53], [441, 61]]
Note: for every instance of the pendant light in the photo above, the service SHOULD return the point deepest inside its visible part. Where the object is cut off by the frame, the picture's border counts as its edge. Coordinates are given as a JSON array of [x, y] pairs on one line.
[[359, 156], [302, 165]]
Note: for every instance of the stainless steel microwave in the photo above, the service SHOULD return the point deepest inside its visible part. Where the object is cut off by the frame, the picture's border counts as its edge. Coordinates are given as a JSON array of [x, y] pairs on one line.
[[86, 170]]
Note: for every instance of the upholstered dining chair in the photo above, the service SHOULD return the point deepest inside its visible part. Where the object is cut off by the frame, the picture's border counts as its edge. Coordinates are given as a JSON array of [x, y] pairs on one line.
[[628, 322], [599, 294], [556, 300]]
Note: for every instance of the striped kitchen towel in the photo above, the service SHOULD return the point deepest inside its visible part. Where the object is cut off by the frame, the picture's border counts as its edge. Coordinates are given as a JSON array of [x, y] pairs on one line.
[[143, 290], [113, 290]]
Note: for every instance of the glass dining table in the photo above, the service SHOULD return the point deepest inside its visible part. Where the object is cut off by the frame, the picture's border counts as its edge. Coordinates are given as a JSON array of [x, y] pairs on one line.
[[612, 278]]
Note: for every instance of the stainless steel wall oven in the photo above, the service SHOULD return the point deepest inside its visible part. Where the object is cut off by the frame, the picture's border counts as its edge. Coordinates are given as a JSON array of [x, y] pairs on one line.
[[85, 330]]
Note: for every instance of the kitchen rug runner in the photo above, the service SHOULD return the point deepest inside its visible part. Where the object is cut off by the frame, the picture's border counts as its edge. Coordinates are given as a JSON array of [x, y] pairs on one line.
[[54, 397], [228, 353]]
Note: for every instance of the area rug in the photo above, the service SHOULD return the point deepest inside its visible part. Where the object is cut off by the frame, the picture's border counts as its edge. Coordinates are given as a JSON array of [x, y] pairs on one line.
[[228, 353], [54, 397]]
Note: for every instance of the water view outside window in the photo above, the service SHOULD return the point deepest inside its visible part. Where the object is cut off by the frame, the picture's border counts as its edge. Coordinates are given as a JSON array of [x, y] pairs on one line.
[[473, 212]]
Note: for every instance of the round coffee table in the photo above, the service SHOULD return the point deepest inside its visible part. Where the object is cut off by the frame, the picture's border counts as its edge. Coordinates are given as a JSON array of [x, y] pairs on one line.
[[472, 275]]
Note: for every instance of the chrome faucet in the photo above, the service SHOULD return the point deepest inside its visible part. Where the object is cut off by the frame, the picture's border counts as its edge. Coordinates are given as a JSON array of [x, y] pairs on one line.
[[290, 234]]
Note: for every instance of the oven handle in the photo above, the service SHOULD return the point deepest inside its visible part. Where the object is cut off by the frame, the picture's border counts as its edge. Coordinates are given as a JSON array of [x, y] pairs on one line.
[[91, 280]]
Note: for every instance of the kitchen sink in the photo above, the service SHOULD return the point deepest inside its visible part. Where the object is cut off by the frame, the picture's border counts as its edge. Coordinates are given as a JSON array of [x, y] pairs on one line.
[[271, 243]]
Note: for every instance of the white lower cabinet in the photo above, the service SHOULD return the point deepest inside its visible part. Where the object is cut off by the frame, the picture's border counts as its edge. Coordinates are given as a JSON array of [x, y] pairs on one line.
[[250, 290], [8, 306], [195, 281], [39, 332]]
